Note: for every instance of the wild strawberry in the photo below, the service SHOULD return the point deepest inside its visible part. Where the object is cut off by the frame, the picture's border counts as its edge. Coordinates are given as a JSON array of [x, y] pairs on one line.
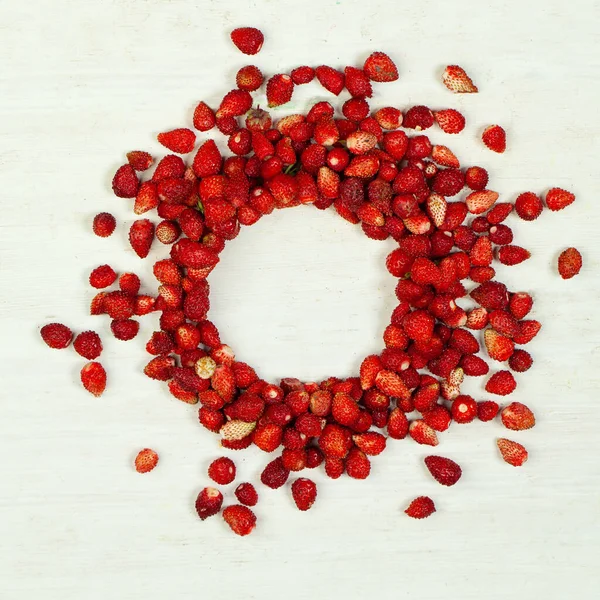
[[141, 234], [487, 410], [240, 518], [104, 224], [499, 347], [125, 183], [208, 160], [501, 383], [512, 452], [160, 368], [494, 137], [371, 443], [438, 418], [380, 67], [335, 441], [88, 345], [93, 378], [56, 335], [357, 464], [503, 322], [204, 117], [520, 361], [268, 437], [443, 156], [102, 277], [388, 118], [146, 460], [279, 90], [569, 263], [246, 494], [448, 182], [517, 416], [512, 255], [423, 433], [520, 304], [167, 232], [527, 331], [481, 254], [140, 160], [357, 83], [332, 80], [418, 117], [456, 80], [304, 493], [450, 120], [369, 369], [360, 142], [500, 234], [528, 206], [420, 508], [464, 409], [170, 167], [397, 425], [363, 167], [275, 474], [443, 470], [391, 384], [248, 40], [235, 430], [208, 502], [249, 78], [301, 75], [557, 199], [222, 470], [180, 140], [491, 295], [344, 409]]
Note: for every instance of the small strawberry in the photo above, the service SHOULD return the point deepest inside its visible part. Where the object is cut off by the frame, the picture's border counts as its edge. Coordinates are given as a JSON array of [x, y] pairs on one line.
[[487, 410], [124, 329], [246, 494], [457, 81], [248, 40], [344, 409], [499, 347], [388, 118], [371, 442], [380, 67], [423, 433], [448, 182], [249, 78], [56, 335], [569, 263], [443, 470], [481, 254], [501, 383], [512, 452], [93, 378], [88, 345], [160, 368], [102, 277], [357, 83], [104, 224], [491, 295], [335, 441], [302, 75], [235, 430], [397, 425], [146, 198], [528, 206], [360, 142], [358, 465], [517, 416], [222, 470], [234, 103], [240, 518], [268, 436], [180, 140], [141, 234], [369, 369], [364, 167], [146, 460], [450, 120], [279, 90], [480, 201], [170, 167], [275, 474], [391, 384], [332, 80], [97, 304], [420, 508], [476, 178], [140, 160], [494, 137], [527, 331], [464, 409], [512, 255], [418, 117], [557, 199], [204, 117], [443, 156], [304, 493], [125, 183], [520, 361], [208, 502]]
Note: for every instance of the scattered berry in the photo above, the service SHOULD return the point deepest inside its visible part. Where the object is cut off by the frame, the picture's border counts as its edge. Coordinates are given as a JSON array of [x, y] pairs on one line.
[[420, 508], [569, 263], [146, 460], [56, 335]]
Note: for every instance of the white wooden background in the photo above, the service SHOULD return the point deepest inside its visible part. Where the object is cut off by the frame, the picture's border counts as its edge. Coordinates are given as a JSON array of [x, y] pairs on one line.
[[302, 294]]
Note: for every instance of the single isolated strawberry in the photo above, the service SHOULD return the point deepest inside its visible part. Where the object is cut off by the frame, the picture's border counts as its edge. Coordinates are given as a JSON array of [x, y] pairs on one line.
[[222, 470], [494, 137], [569, 263], [240, 518], [248, 40], [93, 378], [517, 416], [443, 470], [146, 460], [528, 206], [512, 255], [487, 410], [420, 508], [456, 80], [88, 345], [208, 502], [180, 140], [56, 335], [304, 493], [246, 494], [557, 199], [380, 67], [104, 224], [102, 277], [513, 453]]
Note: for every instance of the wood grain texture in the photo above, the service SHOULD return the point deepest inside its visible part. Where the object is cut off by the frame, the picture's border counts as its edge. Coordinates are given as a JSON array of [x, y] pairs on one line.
[[301, 294]]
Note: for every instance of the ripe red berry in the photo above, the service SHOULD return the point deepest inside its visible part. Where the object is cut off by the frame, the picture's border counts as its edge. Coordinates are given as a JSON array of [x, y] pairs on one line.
[[246, 494], [56, 335], [420, 508], [222, 470], [146, 460], [104, 224], [248, 40], [240, 518], [304, 493], [88, 345], [208, 502]]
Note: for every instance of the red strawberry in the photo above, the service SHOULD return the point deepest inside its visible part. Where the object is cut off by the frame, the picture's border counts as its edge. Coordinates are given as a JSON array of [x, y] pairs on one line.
[[380, 67], [494, 137], [146, 460], [304, 493], [204, 117], [330, 79], [457, 81], [528, 206], [180, 140], [146, 199], [93, 378], [249, 78], [438, 418], [246, 494], [487, 410], [557, 199], [450, 120], [436, 209], [498, 346], [364, 167], [481, 253], [124, 329], [301, 75], [160, 368], [512, 255], [360, 142], [512, 452], [140, 160], [443, 156], [222, 470], [240, 518], [193, 254], [503, 322], [141, 234], [569, 263], [275, 474], [420, 508], [480, 201], [388, 117], [501, 383], [464, 409], [443, 470], [369, 369], [279, 90], [477, 178], [234, 103], [208, 502], [208, 160], [88, 345], [56, 335], [418, 117], [423, 433], [102, 277], [517, 416], [357, 83], [448, 182], [520, 304], [118, 305], [268, 437], [527, 331], [520, 361], [104, 224], [391, 384], [491, 295], [335, 441], [125, 183], [371, 442], [223, 382], [248, 40], [170, 167]]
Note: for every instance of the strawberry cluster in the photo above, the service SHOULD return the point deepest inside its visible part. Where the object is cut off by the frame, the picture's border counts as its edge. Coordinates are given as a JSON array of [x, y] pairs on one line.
[[377, 169]]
